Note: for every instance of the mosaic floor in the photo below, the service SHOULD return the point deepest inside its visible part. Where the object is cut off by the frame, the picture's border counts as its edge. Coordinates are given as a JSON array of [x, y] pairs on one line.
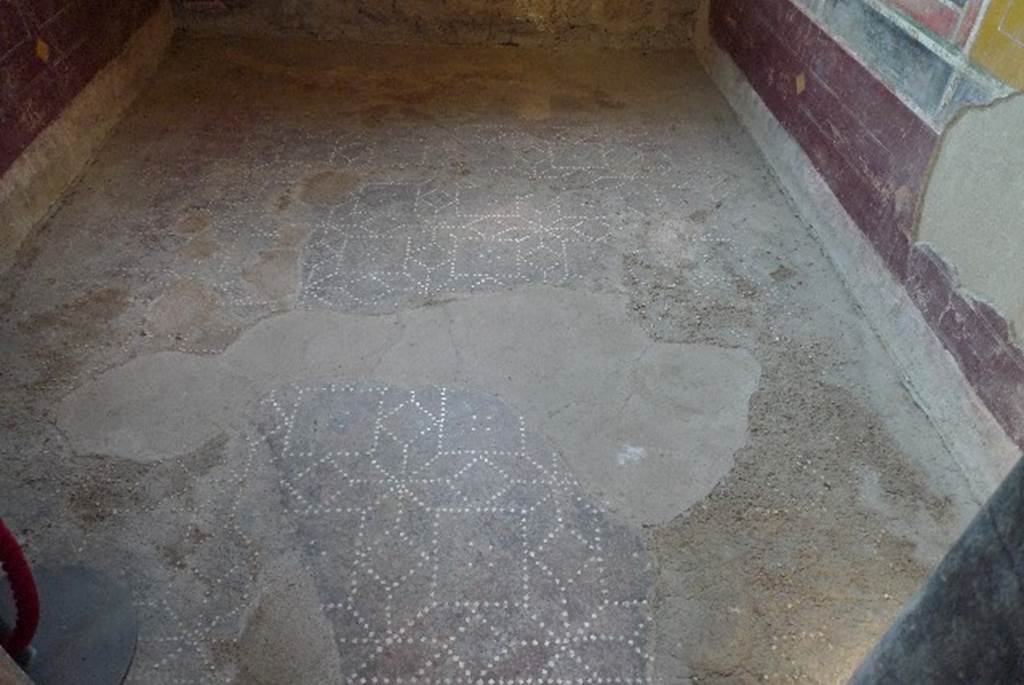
[[377, 365], [551, 205], [446, 543], [445, 538]]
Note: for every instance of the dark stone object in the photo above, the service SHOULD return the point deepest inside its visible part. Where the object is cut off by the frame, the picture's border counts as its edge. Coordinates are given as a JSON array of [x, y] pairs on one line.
[[967, 623], [87, 629]]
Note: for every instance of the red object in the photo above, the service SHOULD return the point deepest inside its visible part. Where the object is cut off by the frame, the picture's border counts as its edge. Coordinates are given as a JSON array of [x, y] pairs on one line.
[[23, 587]]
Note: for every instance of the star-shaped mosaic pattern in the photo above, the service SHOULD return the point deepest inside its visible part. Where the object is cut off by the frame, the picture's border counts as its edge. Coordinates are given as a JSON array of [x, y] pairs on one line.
[[450, 546]]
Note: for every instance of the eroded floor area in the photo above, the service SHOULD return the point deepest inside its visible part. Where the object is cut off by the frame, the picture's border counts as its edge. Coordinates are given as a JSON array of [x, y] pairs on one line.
[[405, 365]]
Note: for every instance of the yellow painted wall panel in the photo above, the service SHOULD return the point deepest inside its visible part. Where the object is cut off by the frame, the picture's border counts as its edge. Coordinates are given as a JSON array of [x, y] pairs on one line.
[[1000, 43]]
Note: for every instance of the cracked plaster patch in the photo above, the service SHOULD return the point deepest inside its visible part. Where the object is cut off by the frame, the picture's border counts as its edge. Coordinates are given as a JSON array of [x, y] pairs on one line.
[[570, 362]]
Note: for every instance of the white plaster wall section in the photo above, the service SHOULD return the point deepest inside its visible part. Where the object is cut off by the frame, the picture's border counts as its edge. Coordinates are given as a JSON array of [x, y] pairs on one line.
[[973, 209], [570, 362]]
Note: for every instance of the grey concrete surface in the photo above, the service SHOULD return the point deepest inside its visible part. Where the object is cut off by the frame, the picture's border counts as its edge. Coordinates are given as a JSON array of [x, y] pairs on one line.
[[577, 264]]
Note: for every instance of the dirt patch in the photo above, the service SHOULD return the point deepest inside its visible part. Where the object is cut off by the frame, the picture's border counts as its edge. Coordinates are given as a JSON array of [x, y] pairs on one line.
[[275, 273], [678, 272], [374, 116], [87, 315], [181, 308], [60, 338], [289, 606], [534, 107], [576, 98], [178, 552], [104, 304], [100, 490], [55, 341], [328, 187], [460, 168], [293, 234], [192, 223], [783, 273], [108, 487], [200, 247], [602, 98], [603, 23], [835, 512], [700, 216], [786, 572]]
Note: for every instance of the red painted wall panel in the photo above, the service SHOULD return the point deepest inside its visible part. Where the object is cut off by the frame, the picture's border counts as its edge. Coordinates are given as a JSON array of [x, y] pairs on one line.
[[934, 15], [967, 22], [80, 36], [952, 21]]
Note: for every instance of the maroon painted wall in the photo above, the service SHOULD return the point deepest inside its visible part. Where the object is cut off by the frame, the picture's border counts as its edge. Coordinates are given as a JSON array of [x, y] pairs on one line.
[[37, 82], [871, 149], [874, 153]]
